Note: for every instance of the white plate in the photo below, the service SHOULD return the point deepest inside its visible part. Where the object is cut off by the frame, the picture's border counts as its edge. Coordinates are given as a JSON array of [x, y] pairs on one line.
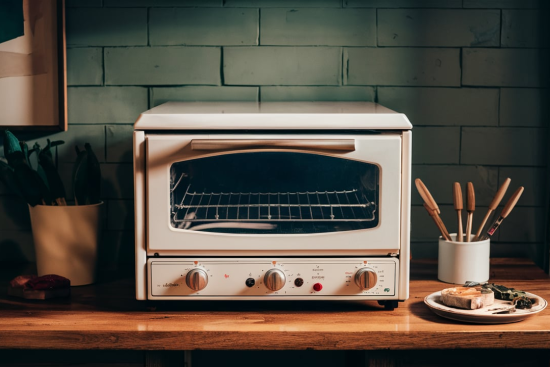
[[486, 314]]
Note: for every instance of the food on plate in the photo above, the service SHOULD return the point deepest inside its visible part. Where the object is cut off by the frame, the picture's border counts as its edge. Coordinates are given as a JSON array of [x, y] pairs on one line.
[[517, 298], [43, 287], [502, 292], [469, 298], [523, 302]]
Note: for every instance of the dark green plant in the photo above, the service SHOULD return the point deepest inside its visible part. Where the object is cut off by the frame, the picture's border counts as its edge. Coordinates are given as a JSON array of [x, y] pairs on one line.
[[86, 177], [45, 161], [43, 185]]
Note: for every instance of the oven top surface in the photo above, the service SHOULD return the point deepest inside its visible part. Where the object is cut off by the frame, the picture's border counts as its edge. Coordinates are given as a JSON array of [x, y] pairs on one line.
[[271, 116]]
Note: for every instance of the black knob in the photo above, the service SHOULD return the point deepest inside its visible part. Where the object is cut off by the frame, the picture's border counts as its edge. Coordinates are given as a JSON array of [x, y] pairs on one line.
[[298, 282], [250, 282]]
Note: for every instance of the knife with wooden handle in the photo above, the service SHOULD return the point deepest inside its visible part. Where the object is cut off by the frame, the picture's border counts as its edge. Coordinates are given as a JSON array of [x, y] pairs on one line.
[[505, 212], [438, 223], [470, 208], [457, 201], [492, 207]]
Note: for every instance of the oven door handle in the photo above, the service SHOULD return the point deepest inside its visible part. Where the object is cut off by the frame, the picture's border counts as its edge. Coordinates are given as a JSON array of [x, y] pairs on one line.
[[345, 145]]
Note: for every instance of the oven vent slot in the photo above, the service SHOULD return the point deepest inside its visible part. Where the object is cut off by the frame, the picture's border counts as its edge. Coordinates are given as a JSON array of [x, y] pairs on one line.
[[314, 206]]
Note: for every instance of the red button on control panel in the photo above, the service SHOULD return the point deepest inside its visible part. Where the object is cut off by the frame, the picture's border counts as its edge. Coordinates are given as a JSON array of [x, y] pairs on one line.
[[317, 287]]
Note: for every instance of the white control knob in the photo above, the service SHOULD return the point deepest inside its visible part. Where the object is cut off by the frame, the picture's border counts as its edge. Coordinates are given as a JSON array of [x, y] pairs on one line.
[[365, 278], [196, 279], [274, 279]]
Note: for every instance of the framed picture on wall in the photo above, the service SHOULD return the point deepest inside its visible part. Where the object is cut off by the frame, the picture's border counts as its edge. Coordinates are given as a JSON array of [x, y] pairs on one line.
[[33, 82]]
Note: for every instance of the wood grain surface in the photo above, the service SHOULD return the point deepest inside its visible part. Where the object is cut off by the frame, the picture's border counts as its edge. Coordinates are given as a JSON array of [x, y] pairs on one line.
[[106, 316]]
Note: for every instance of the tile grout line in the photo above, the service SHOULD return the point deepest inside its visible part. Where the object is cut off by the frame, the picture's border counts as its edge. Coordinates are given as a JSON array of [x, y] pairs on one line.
[[147, 28]]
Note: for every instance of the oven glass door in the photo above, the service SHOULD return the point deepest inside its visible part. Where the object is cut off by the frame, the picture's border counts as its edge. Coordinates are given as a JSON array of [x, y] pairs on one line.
[[269, 192], [273, 192]]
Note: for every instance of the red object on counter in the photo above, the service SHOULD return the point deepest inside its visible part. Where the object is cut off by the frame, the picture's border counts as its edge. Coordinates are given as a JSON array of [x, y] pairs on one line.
[[44, 287], [317, 287], [50, 281], [21, 280]]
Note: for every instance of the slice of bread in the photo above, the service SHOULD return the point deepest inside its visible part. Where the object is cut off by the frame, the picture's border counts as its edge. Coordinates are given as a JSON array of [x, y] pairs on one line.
[[469, 298]]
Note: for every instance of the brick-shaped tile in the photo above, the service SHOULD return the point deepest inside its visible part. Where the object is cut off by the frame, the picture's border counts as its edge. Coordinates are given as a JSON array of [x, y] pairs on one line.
[[162, 3], [403, 66], [162, 65], [438, 27], [498, 4], [116, 104], [202, 93], [196, 26], [118, 181], [504, 146], [283, 3], [282, 65], [523, 225], [326, 27], [83, 3], [85, 66], [523, 107], [119, 140], [532, 178], [502, 249], [120, 215], [505, 67], [106, 27], [440, 181], [403, 3], [522, 28], [424, 250], [351, 94], [443, 106], [436, 145]]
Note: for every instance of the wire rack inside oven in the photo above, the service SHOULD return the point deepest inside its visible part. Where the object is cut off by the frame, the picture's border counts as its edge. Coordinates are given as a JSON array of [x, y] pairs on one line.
[[317, 206]]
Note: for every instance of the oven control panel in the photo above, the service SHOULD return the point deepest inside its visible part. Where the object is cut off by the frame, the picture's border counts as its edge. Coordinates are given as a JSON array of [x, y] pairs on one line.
[[279, 278]]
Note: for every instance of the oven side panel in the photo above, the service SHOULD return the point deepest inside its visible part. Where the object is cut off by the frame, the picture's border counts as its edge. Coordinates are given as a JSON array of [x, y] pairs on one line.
[[139, 216], [404, 255]]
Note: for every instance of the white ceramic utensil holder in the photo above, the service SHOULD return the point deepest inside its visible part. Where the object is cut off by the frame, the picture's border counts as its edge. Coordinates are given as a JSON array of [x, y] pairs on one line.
[[66, 240], [459, 262]]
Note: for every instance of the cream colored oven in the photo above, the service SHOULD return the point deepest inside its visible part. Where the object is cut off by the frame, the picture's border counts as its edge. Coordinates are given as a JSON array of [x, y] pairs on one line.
[[278, 201]]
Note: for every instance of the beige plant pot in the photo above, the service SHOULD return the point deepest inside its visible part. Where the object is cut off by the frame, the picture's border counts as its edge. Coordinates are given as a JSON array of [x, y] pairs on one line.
[[66, 239]]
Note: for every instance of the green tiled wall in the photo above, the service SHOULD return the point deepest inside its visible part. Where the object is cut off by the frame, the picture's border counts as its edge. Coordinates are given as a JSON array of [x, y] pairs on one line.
[[470, 74]]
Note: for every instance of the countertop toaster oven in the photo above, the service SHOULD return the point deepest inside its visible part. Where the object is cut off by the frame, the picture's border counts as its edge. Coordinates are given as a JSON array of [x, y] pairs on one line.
[[275, 201]]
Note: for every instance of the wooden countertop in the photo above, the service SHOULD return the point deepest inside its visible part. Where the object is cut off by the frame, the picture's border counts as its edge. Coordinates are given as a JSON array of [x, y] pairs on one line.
[[106, 316]]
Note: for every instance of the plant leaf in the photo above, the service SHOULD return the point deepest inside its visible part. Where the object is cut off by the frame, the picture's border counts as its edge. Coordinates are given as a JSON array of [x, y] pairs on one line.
[[16, 158], [42, 174], [80, 178], [31, 184], [57, 189], [11, 145], [12, 149], [47, 150], [7, 176], [57, 143], [56, 186], [25, 150]]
